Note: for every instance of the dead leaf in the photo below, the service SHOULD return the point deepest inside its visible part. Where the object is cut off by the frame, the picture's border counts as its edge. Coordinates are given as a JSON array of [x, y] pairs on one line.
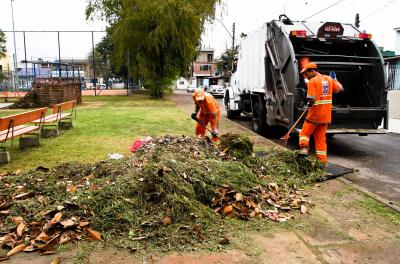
[[166, 220], [42, 237], [17, 220], [94, 235], [49, 244], [42, 199], [303, 209], [22, 195], [67, 223], [227, 209], [5, 239], [48, 252], [20, 228], [64, 239], [72, 189], [238, 197], [30, 248], [57, 260], [6, 212], [83, 224], [15, 250], [57, 217]]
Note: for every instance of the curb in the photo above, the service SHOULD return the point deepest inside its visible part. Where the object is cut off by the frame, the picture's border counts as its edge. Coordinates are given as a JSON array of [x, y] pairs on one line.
[[368, 193]]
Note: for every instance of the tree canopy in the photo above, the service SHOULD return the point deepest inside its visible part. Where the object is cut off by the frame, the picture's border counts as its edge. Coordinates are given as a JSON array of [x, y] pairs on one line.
[[2, 50], [226, 62], [105, 61], [160, 36], [2, 44]]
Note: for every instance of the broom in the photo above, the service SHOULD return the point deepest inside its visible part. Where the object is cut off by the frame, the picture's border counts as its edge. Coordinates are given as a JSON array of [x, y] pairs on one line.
[[286, 137]]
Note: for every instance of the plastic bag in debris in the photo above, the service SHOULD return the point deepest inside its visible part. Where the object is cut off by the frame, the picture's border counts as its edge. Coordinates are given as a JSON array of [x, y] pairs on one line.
[[115, 156], [137, 144]]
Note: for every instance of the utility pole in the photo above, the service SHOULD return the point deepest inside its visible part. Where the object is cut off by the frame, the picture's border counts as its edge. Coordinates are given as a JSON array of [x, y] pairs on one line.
[[15, 50], [233, 45]]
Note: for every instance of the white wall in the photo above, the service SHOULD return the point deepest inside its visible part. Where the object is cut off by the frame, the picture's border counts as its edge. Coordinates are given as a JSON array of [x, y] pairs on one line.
[[394, 104]]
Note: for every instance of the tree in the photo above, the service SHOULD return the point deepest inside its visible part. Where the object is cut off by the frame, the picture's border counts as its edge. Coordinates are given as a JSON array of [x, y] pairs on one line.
[[2, 50], [2, 44], [160, 36], [226, 62]]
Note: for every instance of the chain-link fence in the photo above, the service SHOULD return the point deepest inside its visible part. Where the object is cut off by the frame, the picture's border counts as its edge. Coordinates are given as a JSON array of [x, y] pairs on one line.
[[62, 54]]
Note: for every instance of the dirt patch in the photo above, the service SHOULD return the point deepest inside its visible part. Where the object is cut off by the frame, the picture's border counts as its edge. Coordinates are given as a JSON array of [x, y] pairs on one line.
[[284, 248], [383, 252]]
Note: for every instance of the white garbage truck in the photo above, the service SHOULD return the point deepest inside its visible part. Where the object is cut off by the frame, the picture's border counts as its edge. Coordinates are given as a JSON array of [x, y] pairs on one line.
[[266, 81]]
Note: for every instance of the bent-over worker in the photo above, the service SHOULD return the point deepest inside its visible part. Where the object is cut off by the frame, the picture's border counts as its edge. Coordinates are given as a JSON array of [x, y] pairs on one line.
[[319, 94], [207, 111]]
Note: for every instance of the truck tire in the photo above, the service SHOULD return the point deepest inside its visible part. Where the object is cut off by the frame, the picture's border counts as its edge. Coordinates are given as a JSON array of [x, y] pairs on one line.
[[230, 114], [258, 121]]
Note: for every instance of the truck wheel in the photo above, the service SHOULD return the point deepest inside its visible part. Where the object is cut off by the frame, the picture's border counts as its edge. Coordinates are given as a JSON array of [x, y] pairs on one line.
[[258, 118]]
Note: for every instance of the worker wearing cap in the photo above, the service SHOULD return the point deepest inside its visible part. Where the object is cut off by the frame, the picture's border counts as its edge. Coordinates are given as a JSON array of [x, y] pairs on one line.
[[319, 94], [206, 111]]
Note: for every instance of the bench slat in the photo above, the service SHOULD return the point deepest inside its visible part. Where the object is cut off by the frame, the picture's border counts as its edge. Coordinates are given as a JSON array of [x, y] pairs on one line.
[[4, 132], [52, 118], [19, 132], [22, 118]]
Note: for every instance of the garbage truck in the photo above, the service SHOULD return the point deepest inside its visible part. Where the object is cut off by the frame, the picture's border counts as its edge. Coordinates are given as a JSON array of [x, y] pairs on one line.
[[267, 85]]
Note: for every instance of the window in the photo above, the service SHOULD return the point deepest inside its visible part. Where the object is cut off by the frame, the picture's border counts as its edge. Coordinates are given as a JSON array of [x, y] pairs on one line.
[[205, 67], [209, 57], [181, 82]]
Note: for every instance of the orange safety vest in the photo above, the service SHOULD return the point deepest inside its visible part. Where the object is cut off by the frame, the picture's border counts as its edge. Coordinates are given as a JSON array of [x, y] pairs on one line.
[[321, 88]]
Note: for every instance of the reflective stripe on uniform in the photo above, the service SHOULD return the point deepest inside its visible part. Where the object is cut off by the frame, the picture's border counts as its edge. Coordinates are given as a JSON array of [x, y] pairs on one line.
[[304, 151], [304, 138], [322, 153], [321, 102]]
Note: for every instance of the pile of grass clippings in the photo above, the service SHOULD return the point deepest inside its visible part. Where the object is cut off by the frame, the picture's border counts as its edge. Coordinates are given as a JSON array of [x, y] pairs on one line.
[[236, 145], [172, 194]]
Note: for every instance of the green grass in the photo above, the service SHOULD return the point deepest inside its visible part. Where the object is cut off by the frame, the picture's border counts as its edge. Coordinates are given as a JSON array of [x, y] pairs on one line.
[[103, 125], [377, 208]]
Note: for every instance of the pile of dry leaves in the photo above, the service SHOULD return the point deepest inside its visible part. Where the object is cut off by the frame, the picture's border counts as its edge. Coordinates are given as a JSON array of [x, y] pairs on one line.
[[165, 195]]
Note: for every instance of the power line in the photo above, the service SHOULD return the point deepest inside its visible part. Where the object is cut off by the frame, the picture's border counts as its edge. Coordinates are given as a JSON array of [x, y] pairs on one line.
[[379, 9], [326, 8]]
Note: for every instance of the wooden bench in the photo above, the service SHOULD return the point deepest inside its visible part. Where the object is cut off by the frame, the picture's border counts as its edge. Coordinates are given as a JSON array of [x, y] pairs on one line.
[[59, 113], [14, 126], [12, 96]]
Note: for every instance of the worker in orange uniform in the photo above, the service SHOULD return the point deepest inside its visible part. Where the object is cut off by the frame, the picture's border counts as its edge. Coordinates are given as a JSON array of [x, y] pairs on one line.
[[319, 94], [206, 110]]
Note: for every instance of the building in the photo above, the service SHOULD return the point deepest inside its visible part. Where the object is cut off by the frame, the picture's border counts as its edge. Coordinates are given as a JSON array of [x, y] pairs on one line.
[[6, 72], [5, 65], [86, 70], [205, 66]]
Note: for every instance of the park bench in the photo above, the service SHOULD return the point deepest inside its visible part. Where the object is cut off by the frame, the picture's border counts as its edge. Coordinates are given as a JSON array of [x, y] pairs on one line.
[[12, 96], [59, 118], [17, 125]]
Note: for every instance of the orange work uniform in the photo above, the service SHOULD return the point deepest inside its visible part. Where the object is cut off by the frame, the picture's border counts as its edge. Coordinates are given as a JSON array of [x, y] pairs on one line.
[[209, 112], [320, 88]]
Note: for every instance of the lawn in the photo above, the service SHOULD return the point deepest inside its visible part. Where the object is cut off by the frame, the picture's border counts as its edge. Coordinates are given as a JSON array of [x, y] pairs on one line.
[[103, 125]]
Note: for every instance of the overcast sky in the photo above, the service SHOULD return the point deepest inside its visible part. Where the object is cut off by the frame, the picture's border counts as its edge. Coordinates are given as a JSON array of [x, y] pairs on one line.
[[381, 17]]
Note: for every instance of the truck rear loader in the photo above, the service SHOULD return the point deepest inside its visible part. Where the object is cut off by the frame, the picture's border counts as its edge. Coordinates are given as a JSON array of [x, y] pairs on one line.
[[266, 81]]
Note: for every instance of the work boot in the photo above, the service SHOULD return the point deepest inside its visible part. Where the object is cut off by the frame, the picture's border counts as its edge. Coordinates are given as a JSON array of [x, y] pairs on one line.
[[303, 152]]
